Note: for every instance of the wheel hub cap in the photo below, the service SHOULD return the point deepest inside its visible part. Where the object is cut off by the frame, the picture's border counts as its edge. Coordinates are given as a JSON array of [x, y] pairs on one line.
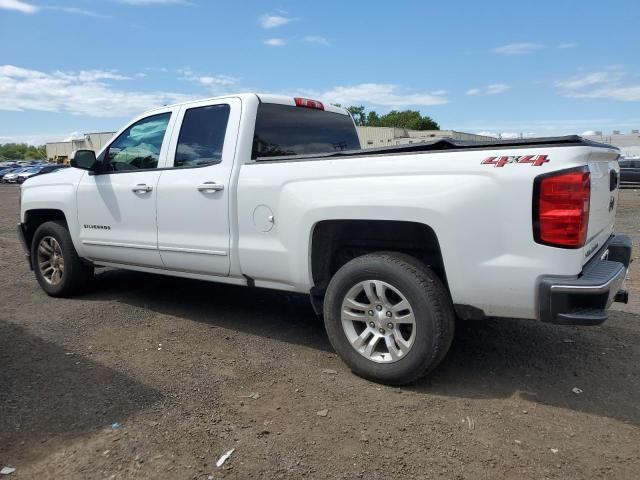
[[378, 321], [50, 260]]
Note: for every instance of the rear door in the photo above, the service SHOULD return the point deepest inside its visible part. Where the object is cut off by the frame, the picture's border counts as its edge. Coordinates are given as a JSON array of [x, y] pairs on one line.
[[194, 188]]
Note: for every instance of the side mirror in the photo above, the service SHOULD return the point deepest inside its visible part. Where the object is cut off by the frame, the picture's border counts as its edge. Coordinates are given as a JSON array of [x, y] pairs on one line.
[[84, 159]]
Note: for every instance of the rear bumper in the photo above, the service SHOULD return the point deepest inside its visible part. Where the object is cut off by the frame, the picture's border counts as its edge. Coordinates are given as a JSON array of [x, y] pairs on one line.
[[586, 298]]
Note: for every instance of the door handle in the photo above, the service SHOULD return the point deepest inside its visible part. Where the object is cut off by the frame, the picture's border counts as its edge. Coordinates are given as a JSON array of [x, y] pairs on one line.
[[141, 188], [210, 187]]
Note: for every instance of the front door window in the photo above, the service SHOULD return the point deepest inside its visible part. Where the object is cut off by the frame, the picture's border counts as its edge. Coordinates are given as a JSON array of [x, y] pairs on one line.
[[138, 147]]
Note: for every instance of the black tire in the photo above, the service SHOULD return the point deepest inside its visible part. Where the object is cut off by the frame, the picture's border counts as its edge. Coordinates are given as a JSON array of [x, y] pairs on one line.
[[429, 300], [76, 275]]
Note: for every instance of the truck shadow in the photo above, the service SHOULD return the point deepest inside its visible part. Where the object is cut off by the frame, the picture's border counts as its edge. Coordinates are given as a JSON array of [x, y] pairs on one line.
[[489, 360], [48, 397], [286, 317]]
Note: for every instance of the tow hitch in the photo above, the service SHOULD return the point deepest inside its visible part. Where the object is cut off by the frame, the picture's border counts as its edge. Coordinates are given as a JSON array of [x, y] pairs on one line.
[[622, 296]]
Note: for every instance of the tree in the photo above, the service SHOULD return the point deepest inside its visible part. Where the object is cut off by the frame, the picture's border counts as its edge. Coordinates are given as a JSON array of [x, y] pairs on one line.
[[358, 115], [22, 151], [409, 119], [373, 120]]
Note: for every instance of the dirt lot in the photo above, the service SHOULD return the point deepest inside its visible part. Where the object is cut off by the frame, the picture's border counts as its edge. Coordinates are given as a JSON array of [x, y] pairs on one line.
[[189, 370]]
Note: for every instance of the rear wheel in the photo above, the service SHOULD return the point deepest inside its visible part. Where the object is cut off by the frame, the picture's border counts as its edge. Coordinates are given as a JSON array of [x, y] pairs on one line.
[[58, 269], [389, 317]]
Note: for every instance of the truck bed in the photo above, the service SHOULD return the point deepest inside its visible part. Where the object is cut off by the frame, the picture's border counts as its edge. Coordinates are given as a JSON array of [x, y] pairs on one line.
[[446, 144]]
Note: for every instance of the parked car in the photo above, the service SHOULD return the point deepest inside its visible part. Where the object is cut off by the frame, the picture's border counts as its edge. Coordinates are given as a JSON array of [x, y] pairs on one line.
[[391, 244], [38, 170], [4, 170], [11, 176], [630, 172], [27, 163], [28, 172]]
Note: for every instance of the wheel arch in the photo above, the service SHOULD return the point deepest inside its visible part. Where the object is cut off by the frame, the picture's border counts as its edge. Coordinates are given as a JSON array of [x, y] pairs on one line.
[[35, 217], [335, 242]]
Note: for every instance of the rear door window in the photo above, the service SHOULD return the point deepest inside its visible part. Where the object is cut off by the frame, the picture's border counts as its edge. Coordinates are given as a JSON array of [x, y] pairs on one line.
[[283, 130], [202, 136]]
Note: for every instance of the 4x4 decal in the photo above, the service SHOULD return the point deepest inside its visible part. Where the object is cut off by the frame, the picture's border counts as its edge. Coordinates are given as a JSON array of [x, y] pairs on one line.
[[534, 160]]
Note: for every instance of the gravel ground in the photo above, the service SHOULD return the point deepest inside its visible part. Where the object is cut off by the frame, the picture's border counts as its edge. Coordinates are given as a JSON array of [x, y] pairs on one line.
[[156, 377]]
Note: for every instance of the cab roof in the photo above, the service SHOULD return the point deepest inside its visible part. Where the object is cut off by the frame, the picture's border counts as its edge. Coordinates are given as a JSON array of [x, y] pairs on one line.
[[270, 98]]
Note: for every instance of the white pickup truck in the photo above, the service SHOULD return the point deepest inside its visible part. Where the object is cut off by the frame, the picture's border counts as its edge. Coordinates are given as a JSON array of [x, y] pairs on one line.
[[391, 244]]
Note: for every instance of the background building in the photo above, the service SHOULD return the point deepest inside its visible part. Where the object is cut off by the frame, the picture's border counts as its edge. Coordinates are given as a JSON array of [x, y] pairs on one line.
[[628, 143], [374, 137], [59, 152]]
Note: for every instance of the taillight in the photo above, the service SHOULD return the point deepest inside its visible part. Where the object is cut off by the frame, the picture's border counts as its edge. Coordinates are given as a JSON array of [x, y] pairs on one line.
[[307, 103], [561, 208]]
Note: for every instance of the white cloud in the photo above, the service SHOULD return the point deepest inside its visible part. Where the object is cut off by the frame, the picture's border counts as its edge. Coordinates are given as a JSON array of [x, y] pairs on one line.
[[621, 94], [607, 84], [25, 7], [517, 48], [493, 89], [316, 39], [567, 45], [91, 75], [75, 135], [273, 21], [157, 69], [31, 139], [376, 94], [155, 2], [589, 79], [18, 6], [207, 80], [86, 92], [76, 11], [275, 42]]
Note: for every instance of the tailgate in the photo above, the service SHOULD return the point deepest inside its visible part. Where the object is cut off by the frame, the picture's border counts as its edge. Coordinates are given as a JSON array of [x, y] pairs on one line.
[[605, 175]]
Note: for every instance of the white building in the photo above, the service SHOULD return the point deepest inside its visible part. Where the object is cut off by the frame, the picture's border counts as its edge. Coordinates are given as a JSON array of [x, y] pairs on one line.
[[373, 137], [628, 143], [59, 152]]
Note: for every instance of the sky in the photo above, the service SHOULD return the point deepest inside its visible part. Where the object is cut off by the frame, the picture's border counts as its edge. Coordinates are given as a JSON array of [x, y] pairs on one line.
[[535, 68]]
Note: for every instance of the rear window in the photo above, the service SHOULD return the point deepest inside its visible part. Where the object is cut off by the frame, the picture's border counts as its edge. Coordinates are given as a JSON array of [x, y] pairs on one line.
[[283, 130]]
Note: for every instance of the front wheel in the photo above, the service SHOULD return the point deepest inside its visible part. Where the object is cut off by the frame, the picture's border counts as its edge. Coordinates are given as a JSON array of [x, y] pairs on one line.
[[389, 317], [58, 269]]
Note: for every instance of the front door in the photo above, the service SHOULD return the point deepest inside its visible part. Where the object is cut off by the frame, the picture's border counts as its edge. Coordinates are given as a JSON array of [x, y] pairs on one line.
[[193, 191], [117, 206]]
